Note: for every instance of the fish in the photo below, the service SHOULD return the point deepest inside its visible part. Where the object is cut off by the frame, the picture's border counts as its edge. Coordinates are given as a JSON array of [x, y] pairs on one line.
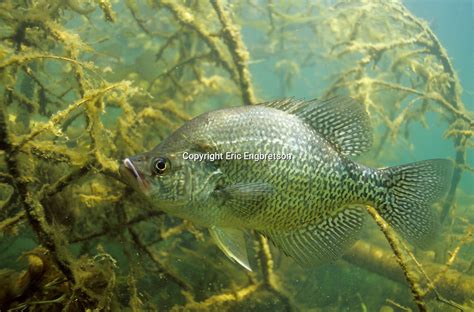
[[303, 190]]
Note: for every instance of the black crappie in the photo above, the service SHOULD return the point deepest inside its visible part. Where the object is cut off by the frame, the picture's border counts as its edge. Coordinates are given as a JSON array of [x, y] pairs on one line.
[[305, 204]]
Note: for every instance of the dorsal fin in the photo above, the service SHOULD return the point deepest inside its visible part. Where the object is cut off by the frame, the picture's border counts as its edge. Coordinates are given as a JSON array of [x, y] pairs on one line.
[[340, 120]]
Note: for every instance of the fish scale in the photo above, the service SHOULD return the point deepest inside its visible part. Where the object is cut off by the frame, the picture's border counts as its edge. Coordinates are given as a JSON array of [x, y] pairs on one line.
[[308, 206]]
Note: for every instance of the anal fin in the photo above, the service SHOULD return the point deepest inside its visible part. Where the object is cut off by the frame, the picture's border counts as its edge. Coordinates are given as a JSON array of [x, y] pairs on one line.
[[232, 243], [321, 241]]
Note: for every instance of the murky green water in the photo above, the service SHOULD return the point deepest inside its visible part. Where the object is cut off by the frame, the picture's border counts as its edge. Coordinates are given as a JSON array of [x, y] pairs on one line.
[[85, 84]]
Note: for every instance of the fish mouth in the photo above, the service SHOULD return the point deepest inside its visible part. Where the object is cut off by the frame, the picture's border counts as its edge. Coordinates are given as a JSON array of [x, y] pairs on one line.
[[128, 170]]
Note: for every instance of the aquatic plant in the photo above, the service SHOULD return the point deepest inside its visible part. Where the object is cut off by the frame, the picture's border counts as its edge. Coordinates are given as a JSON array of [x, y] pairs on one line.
[[85, 84]]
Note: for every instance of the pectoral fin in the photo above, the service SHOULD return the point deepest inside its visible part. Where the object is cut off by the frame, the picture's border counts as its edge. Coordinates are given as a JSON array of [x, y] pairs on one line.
[[241, 197], [232, 243], [247, 191]]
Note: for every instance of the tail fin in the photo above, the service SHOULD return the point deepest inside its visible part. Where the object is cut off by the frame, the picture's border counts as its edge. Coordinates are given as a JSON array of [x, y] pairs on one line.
[[409, 192]]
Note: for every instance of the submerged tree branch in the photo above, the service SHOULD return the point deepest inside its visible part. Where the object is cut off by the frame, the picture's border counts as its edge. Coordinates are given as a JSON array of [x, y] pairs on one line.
[[395, 245], [238, 51]]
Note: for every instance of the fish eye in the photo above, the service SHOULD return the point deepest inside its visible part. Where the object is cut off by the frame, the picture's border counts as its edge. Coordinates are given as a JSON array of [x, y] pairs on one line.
[[160, 165]]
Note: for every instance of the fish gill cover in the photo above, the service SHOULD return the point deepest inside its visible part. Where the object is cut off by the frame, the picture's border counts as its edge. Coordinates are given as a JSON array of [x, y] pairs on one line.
[[86, 84]]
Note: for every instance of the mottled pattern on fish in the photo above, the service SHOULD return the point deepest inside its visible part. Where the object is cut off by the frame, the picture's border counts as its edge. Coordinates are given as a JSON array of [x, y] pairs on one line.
[[304, 205], [314, 183]]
